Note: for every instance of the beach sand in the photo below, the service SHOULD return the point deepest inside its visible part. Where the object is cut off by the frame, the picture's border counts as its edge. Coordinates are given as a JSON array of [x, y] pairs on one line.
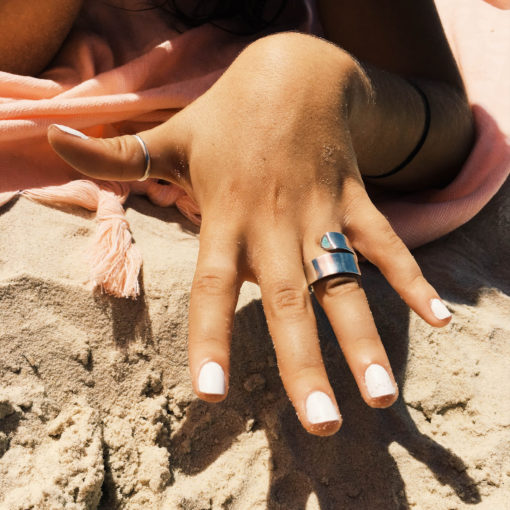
[[97, 411]]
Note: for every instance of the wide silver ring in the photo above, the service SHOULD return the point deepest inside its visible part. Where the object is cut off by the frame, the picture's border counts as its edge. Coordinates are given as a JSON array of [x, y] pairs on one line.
[[340, 259], [147, 158]]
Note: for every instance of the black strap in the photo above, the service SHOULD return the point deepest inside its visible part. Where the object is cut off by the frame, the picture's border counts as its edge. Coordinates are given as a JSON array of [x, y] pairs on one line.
[[420, 143]]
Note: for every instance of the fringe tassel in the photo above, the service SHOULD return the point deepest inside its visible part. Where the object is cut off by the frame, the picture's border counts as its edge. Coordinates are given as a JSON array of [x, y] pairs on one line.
[[116, 262]]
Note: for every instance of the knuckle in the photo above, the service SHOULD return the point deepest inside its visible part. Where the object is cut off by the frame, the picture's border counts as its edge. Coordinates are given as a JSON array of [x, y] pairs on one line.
[[305, 372], [122, 145], [339, 286], [394, 242], [210, 340], [122, 149], [416, 280], [287, 299], [213, 283], [387, 233], [389, 244]]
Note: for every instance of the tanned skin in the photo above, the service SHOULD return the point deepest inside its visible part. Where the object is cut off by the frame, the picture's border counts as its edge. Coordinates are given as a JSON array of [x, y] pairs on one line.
[[32, 31], [397, 40]]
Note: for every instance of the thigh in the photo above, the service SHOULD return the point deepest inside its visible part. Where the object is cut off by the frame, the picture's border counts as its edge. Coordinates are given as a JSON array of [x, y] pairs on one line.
[[31, 32]]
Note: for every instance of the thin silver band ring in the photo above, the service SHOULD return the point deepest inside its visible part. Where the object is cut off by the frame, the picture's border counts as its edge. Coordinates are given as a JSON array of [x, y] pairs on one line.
[[147, 159]]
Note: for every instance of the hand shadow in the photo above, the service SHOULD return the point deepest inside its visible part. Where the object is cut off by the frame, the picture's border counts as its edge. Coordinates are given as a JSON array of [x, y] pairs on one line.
[[352, 469], [130, 318]]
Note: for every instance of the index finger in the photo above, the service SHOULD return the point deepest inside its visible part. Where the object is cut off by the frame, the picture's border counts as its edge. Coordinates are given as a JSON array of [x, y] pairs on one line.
[[372, 235]]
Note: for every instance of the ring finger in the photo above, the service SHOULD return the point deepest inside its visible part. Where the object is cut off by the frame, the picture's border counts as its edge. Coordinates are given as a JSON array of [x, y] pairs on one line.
[[345, 303], [292, 325]]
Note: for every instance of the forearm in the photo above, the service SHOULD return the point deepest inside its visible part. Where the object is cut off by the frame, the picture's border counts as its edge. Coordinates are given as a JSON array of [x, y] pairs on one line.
[[32, 31], [406, 39], [387, 120]]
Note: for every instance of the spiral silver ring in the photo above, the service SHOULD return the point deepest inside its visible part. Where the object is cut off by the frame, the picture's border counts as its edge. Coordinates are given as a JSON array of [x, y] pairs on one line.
[[340, 259]]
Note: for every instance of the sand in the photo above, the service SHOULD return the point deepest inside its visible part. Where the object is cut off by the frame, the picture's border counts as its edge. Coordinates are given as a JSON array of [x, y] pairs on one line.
[[97, 411]]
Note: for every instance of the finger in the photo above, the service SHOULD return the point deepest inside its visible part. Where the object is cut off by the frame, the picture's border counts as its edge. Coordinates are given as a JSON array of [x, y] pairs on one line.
[[122, 158], [345, 303], [346, 306], [372, 235], [214, 294], [292, 325]]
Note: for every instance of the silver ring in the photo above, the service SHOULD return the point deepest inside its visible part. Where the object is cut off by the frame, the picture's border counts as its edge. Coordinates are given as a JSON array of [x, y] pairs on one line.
[[147, 159], [335, 241], [340, 259]]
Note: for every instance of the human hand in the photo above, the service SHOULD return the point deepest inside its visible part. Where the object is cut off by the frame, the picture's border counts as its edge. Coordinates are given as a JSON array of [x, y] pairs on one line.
[[266, 152]]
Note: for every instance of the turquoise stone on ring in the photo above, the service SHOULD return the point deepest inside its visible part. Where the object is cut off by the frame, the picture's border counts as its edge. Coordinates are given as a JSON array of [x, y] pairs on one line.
[[334, 241], [340, 259]]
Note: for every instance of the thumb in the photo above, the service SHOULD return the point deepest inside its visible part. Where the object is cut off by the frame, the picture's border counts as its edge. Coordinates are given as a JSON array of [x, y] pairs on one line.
[[123, 158]]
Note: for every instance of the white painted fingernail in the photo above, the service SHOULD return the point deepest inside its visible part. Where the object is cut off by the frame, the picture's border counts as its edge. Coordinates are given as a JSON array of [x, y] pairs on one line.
[[320, 409], [378, 381], [439, 309], [71, 131], [211, 379]]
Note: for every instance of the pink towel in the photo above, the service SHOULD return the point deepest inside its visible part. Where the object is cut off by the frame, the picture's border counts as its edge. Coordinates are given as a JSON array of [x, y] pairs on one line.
[[121, 72]]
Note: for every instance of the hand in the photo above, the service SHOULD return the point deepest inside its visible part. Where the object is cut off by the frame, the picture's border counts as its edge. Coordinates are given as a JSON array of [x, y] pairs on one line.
[[266, 153]]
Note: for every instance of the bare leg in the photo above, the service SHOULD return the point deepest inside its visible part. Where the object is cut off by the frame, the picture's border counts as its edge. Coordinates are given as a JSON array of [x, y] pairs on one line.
[[32, 31]]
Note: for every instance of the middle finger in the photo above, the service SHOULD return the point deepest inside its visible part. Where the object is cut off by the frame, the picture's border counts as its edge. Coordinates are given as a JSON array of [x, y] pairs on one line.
[[277, 264]]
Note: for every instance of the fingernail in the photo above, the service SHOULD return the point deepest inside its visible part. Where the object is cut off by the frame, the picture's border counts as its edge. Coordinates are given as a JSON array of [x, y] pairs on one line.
[[211, 379], [439, 309], [71, 131], [378, 381], [320, 409]]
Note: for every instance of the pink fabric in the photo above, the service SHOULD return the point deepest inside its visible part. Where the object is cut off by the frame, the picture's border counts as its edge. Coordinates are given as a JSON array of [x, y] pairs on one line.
[[121, 72]]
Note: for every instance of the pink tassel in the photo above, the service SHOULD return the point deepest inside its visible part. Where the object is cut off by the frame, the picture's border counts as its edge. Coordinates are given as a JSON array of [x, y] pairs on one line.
[[116, 262]]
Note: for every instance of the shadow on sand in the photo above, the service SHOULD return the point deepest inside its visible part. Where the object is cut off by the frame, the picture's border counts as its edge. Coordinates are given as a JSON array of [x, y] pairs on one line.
[[339, 469]]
